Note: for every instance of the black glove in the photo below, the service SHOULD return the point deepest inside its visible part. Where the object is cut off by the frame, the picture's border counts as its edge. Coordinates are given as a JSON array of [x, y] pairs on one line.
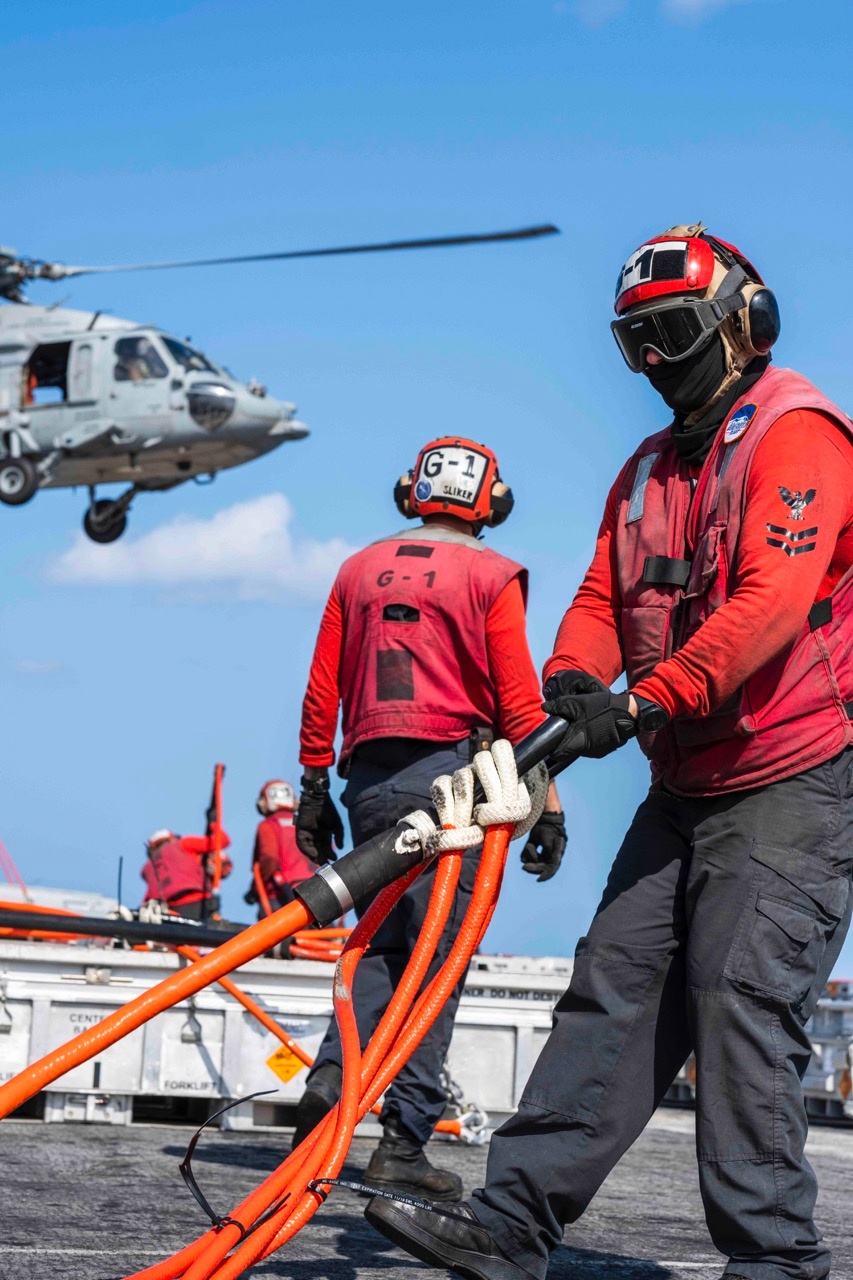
[[598, 722], [318, 823], [546, 843], [572, 681]]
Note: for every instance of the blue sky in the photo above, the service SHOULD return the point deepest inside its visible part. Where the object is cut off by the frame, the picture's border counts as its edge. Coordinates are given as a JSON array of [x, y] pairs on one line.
[[195, 130]]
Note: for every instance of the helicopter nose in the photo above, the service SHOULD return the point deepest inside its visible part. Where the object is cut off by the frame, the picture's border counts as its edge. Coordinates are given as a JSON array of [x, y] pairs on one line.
[[289, 429], [285, 426]]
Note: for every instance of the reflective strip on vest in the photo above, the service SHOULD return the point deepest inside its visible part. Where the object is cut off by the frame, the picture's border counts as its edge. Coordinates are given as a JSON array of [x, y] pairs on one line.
[[638, 493]]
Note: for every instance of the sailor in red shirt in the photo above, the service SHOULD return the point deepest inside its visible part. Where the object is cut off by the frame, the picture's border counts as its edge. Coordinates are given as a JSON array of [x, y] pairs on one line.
[[423, 645], [722, 586], [276, 856], [179, 872]]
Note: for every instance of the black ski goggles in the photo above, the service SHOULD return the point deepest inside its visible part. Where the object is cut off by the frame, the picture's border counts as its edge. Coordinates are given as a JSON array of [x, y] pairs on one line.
[[672, 330]]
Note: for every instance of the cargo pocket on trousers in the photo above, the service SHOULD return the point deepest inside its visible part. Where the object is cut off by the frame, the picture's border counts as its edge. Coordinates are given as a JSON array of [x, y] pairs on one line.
[[794, 905]]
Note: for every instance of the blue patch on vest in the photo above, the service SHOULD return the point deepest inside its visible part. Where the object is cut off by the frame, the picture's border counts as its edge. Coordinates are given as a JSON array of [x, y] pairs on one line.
[[739, 423]]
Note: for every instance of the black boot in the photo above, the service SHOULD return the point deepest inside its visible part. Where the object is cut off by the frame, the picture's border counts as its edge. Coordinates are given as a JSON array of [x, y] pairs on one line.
[[453, 1239], [399, 1164], [321, 1093]]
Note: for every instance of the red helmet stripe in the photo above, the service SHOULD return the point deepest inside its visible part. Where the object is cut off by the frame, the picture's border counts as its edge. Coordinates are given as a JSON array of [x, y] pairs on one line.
[[663, 266]]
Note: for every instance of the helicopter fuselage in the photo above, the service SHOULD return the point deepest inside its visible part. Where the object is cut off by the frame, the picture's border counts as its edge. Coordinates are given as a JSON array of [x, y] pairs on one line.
[[90, 399]]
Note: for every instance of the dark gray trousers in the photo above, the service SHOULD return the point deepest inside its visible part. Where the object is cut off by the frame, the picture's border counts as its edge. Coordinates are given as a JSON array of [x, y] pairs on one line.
[[386, 783], [720, 923]]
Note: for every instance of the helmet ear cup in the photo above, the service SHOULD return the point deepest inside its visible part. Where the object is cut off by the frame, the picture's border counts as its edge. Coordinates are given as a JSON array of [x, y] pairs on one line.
[[760, 322], [502, 503], [402, 493]]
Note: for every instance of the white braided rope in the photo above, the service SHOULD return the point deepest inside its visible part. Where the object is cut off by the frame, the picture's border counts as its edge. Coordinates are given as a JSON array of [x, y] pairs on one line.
[[508, 799]]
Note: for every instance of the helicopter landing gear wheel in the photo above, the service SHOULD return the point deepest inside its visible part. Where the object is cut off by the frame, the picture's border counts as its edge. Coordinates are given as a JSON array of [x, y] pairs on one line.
[[19, 481], [100, 525]]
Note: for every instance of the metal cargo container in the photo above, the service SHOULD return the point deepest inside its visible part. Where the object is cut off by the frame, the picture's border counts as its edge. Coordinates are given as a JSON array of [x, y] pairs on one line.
[[210, 1049]]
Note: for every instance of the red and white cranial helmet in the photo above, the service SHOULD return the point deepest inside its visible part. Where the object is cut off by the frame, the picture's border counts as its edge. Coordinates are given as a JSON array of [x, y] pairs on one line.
[[455, 476], [160, 836], [276, 795], [680, 288]]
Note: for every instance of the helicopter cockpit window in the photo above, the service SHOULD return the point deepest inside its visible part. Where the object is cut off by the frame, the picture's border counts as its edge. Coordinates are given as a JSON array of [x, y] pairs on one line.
[[46, 375], [138, 359], [192, 361]]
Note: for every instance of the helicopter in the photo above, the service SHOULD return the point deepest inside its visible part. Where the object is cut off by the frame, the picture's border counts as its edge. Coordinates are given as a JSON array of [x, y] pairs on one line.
[[89, 399]]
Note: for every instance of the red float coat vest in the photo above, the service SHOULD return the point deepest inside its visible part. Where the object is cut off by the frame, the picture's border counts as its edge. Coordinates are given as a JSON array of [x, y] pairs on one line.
[[292, 863], [414, 661], [794, 712], [172, 874]]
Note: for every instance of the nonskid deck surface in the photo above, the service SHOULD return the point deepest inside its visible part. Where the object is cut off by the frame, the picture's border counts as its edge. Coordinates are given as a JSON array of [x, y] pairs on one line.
[[97, 1202]]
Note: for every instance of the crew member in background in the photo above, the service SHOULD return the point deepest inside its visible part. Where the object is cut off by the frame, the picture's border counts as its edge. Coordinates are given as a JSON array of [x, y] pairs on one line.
[[277, 859], [721, 585], [423, 643], [179, 872]]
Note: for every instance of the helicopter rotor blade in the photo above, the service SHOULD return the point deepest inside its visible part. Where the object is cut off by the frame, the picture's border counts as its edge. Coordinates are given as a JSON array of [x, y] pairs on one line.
[[56, 271]]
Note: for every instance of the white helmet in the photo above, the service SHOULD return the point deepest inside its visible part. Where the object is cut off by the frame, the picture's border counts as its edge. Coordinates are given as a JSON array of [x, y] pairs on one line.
[[276, 795], [159, 837]]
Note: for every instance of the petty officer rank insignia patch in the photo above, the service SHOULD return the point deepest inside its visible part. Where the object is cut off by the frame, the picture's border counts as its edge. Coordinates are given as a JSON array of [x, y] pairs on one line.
[[739, 423], [797, 501]]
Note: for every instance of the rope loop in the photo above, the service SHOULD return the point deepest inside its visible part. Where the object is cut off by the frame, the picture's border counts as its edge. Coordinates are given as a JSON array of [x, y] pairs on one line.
[[508, 799]]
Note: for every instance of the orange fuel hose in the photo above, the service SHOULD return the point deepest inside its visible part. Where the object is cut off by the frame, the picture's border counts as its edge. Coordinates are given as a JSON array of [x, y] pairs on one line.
[[321, 1155], [252, 1007], [270, 1189], [283, 1225], [249, 944], [307, 1160], [260, 890], [285, 1200]]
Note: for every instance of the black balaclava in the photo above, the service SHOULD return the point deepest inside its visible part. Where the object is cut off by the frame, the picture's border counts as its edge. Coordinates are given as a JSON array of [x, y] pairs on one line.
[[685, 385]]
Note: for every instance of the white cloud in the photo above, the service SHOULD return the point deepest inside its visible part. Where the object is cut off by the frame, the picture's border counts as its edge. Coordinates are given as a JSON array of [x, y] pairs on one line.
[[692, 11], [33, 667], [249, 548]]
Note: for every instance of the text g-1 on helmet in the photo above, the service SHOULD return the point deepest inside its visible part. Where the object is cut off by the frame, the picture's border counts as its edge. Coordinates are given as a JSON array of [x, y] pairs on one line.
[[678, 289], [454, 476], [276, 795]]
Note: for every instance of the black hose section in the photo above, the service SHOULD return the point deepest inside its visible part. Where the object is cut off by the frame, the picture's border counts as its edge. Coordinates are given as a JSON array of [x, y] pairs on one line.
[[375, 864], [364, 871], [179, 934]]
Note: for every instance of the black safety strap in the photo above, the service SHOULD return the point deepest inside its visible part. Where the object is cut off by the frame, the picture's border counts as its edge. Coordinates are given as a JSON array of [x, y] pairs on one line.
[[480, 738], [189, 1178], [666, 571], [820, 614], [318, 1186]]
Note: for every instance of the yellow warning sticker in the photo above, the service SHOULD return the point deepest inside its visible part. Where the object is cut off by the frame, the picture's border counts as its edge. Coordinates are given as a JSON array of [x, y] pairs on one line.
[[285, 1064]]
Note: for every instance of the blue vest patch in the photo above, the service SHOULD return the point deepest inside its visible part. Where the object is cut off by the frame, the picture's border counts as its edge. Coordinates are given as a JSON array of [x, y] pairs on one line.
[[739, 423]]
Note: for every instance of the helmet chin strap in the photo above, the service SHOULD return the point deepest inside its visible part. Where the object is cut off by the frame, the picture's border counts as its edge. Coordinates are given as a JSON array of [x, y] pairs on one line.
[[736, 361], [728, 294]]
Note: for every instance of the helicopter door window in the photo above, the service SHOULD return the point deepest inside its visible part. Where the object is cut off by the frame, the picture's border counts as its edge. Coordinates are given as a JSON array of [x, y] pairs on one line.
[[46, 375], [192, 361], [138, 360], [81, 372]]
